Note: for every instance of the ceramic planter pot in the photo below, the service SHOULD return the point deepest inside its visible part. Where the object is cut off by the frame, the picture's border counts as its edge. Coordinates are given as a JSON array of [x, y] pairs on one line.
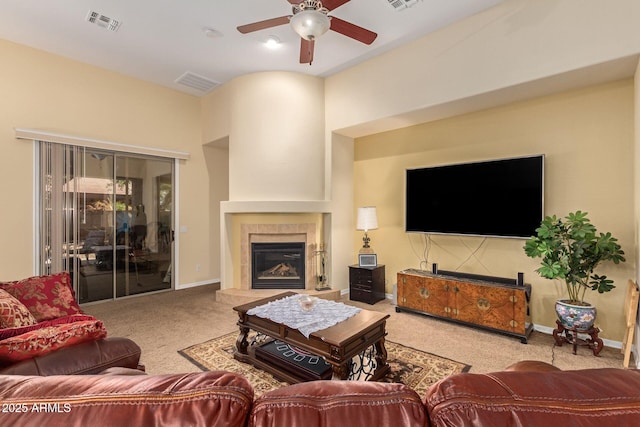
[[581, 317]]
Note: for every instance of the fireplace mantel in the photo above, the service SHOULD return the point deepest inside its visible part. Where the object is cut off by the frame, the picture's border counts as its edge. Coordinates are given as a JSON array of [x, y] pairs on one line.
[[272, 206]]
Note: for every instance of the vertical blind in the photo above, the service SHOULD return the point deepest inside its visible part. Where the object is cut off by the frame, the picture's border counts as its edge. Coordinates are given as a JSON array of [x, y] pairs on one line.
[[57, 236]]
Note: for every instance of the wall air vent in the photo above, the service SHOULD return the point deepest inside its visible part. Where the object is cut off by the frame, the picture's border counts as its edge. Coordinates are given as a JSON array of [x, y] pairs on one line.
[[402, 4], [196, 82], [103, 21]]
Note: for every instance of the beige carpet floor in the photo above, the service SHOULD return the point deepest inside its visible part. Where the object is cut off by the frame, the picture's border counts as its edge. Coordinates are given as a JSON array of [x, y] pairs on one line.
[[409, 366], [164, 323]]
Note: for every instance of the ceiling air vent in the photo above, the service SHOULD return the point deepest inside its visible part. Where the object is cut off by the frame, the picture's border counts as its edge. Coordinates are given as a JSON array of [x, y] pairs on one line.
[[103, 21], [196, 82], [402, 4]]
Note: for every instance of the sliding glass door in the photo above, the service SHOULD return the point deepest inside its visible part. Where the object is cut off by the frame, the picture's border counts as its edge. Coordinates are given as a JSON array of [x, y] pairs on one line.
[[106, 217]]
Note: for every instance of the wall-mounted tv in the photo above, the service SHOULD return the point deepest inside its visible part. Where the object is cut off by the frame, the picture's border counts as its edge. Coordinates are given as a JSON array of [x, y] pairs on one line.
[[499, 198]]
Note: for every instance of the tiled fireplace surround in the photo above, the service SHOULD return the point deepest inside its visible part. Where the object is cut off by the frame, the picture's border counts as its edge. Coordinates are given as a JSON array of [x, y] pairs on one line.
[[271, 233]]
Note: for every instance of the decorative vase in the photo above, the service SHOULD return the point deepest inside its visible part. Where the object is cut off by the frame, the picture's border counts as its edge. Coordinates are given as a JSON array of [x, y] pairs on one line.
[[580, 317]]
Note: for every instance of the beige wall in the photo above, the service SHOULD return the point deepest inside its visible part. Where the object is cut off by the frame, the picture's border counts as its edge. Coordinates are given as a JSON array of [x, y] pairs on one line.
[[587, 139], [217, 159], [509, 49], [276, 137], [51, 93], [515, 43]]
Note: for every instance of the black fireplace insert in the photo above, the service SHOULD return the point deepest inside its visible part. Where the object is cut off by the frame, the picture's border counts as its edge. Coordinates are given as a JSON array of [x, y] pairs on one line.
[[278, 265]]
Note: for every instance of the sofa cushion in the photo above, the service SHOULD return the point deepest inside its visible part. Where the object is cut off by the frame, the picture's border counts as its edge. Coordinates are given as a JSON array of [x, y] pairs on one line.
[[589, 397], [46, 297], [44, 340], [86, 358], [13, 313], [330, 403], [12, 332], [195, 399]]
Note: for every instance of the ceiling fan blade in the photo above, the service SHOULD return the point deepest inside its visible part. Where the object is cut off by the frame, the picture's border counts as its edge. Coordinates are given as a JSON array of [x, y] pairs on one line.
[[261, 25], [306, 51], [351, 30], [332, 4]]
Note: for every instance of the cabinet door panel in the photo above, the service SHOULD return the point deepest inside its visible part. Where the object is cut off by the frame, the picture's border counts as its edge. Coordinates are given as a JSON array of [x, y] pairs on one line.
[[484, 305], [437, 297], [409, 288], [521, 317]]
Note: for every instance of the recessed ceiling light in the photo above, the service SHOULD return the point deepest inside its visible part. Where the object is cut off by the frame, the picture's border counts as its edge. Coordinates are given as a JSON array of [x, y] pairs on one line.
[[272, 42]]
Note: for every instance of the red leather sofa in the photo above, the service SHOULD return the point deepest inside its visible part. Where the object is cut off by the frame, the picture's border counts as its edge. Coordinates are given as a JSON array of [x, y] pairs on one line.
[[43, 331], [527, 394], [87, 358]]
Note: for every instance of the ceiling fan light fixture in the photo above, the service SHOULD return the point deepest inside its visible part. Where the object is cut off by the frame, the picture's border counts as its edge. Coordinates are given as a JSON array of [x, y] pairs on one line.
[[310, 23]]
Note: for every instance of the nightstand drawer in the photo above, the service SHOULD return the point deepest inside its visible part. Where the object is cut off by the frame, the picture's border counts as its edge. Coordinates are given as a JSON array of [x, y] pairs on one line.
[[361, 286]]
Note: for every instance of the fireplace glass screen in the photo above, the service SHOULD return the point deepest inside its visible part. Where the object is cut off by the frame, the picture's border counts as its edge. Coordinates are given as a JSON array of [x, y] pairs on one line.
[[278, 265]]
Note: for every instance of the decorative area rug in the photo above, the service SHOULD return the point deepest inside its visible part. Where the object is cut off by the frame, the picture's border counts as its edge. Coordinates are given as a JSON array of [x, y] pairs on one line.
[[415, 368]]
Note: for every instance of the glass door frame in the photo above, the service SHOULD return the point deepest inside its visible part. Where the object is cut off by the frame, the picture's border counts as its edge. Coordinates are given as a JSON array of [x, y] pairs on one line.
[[41, 258]]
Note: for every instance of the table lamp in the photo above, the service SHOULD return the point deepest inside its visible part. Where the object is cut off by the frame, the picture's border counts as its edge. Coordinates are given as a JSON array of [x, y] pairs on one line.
[[367, 220]]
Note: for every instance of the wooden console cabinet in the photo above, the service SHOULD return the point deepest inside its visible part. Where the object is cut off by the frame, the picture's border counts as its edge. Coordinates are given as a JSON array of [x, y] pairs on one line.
[[366, 284], [488, 304]]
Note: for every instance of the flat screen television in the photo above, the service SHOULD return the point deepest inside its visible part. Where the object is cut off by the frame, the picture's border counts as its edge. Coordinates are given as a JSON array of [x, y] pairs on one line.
[[498, 198]]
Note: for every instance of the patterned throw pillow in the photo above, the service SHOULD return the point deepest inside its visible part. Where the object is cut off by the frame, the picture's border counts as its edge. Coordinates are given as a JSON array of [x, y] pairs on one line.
[[45, 340], [12, 332], [46, 297], [13, 313]]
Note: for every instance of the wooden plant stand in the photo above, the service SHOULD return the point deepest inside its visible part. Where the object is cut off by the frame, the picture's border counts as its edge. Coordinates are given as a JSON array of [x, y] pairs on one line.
[[562, 335]]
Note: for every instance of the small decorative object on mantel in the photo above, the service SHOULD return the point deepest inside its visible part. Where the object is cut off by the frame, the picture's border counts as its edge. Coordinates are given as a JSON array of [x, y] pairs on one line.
[[571, 249]]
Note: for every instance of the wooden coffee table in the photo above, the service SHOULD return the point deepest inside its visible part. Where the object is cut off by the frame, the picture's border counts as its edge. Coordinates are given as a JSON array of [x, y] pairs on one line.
[[337, 345]]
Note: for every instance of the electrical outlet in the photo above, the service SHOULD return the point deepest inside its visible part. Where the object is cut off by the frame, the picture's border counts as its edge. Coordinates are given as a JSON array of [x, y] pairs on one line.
[[198, 267]]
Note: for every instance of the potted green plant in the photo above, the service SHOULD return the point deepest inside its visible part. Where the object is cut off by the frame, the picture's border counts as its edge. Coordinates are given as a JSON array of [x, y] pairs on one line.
[[571, 249]]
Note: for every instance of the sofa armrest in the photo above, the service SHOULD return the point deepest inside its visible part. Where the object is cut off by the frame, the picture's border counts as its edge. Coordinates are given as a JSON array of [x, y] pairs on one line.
[[85, 358], [195, 399], [589, 397], [345, 403]]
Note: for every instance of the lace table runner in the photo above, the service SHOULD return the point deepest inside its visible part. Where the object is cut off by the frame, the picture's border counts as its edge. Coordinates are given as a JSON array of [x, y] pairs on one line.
[[324, 313]]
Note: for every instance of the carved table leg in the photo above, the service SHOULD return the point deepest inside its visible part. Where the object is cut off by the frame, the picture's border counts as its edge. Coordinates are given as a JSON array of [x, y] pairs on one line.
[[241, 342], [557, 334], [340, 372], [381, 359], [595, 343]]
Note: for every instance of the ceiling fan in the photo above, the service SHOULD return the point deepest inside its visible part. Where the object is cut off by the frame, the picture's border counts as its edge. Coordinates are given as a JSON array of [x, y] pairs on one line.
[[310, 20]]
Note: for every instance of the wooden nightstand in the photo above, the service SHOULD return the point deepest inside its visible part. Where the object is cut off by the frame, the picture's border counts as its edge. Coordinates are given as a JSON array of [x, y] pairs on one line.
[[366, 284]]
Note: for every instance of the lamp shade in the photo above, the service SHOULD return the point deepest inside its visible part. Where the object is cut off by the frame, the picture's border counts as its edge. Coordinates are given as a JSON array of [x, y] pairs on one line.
[[367, 218], [310, 24]]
